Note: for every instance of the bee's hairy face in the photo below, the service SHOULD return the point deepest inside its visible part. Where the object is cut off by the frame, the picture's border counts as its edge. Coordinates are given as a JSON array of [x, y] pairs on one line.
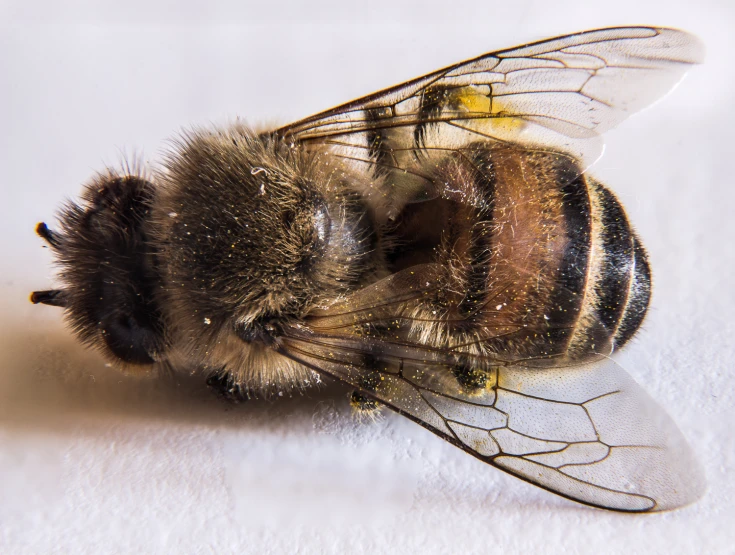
[[107, 266]]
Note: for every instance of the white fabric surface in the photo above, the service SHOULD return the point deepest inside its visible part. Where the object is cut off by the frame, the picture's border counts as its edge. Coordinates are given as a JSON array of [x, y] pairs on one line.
[[95, 462]]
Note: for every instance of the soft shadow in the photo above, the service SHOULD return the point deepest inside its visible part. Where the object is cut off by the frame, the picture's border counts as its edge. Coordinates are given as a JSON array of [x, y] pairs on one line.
[[50, 383], [45, 373]]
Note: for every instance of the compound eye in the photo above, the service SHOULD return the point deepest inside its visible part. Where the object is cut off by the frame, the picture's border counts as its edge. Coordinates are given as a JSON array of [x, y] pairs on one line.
[[128, 340]]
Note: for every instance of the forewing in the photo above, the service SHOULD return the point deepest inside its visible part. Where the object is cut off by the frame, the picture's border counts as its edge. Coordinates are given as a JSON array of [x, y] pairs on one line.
[[559, 93], [587, 432]]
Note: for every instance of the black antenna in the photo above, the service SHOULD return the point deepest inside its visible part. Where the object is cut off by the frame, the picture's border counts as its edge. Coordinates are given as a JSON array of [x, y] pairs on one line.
[[52, 297], [49, 236]]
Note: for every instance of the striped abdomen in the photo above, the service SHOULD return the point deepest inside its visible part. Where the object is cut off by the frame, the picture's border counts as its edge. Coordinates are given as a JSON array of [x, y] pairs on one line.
[[543, 261]]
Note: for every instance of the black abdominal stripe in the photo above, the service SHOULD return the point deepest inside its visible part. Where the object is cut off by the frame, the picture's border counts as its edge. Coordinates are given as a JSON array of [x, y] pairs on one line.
[[615, 290]]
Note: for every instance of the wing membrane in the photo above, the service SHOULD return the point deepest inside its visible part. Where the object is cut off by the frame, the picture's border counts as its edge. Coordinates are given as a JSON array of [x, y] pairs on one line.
[[559, 93], [587, 432]]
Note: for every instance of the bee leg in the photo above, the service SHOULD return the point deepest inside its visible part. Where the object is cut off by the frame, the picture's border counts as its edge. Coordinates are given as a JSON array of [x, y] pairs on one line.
[[364, 405], [224, 388], [472, 380]]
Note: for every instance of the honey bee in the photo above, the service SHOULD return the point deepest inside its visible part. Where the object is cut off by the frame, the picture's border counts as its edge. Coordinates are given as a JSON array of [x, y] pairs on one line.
[[439, 246]]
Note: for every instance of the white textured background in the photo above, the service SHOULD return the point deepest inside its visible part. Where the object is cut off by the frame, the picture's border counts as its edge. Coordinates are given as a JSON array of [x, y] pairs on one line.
[[95, 462]]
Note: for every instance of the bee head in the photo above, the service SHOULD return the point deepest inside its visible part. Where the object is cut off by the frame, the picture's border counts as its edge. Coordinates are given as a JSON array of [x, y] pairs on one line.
[[250, 231], [107, 269]]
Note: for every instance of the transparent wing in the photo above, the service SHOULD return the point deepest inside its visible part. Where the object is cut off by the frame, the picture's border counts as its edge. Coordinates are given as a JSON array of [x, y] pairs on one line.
[[559, 93], [585, 431], [588, 432]]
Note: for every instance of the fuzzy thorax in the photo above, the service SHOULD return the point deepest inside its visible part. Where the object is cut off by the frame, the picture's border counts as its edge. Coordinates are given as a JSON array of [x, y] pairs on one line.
[[250, 230]]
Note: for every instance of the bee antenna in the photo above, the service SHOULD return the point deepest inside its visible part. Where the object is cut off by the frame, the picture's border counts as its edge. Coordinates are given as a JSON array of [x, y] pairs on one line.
[[52, 297], [49, 236]]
